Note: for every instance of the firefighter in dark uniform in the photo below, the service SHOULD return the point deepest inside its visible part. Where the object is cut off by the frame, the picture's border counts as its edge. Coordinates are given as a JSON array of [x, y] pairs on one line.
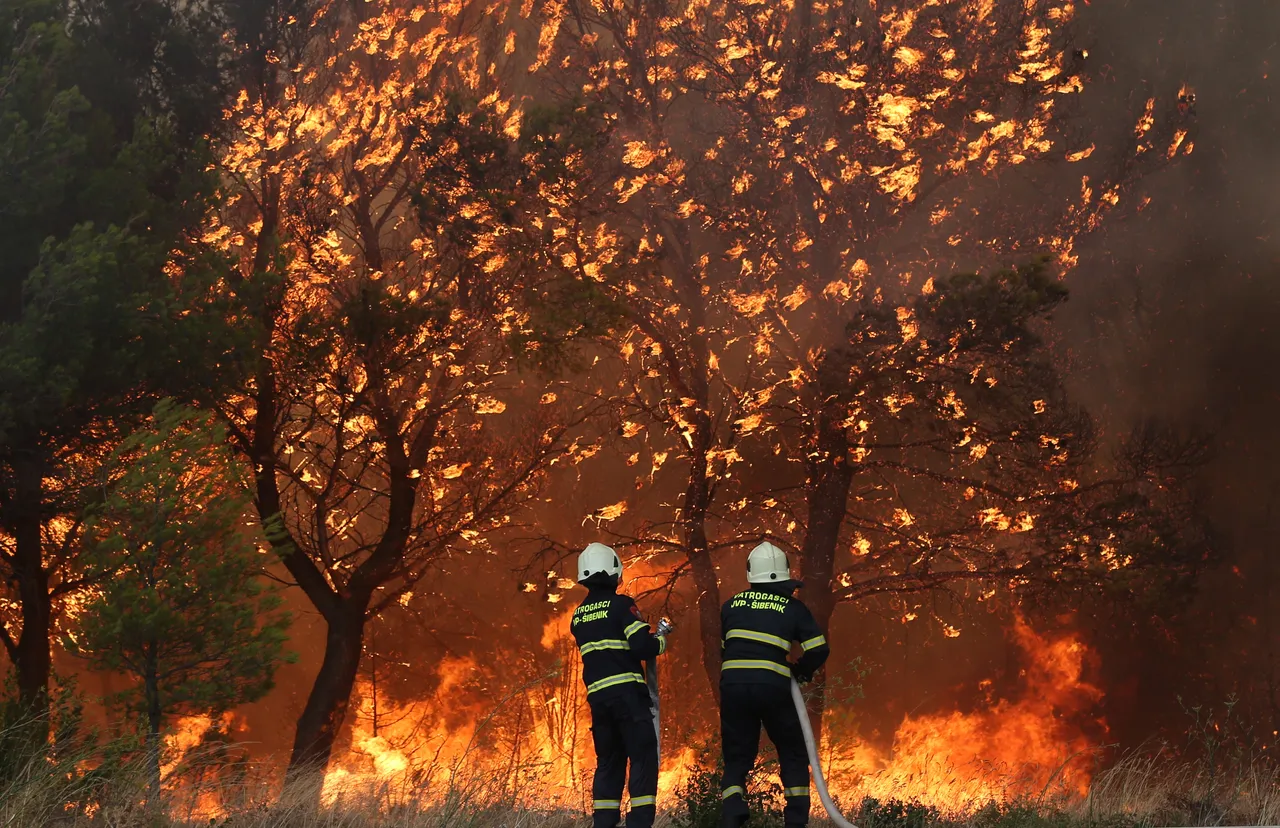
[[758, 629], [614, 640]]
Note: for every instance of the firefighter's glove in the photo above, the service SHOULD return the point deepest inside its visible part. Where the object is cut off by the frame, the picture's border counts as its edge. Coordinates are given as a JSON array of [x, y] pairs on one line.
[[801, 676]]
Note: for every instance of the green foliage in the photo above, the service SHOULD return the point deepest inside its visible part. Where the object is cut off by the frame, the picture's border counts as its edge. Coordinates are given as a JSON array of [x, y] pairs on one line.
[[75, 772], [179, 603], [1029, 815], [898, 814], [103, 292], [699, 797], [895, 814], [95, 201], [173, 51], [995, 310]]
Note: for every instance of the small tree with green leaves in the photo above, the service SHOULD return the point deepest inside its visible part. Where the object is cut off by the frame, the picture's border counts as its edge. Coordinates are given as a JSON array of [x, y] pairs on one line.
[[179, 603]]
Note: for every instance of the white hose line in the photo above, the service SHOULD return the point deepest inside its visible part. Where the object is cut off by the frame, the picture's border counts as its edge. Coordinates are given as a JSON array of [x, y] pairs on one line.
[[651, 681], [812, 747]]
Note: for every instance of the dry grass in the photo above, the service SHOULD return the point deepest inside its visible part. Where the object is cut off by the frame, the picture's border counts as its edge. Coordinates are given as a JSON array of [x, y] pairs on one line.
[[90, 785], [1167, 790]]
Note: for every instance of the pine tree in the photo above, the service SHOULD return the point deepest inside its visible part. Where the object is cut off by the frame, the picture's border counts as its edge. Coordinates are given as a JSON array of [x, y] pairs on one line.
[[180, 605]]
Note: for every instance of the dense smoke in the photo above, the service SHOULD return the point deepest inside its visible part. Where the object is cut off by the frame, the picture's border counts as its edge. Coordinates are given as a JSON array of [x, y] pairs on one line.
[[1172, 318]]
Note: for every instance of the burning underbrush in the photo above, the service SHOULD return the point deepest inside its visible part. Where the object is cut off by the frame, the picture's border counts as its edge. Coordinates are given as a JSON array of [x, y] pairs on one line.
[[1032, 753], [533, 748], [1144, 789], [1031, 746]]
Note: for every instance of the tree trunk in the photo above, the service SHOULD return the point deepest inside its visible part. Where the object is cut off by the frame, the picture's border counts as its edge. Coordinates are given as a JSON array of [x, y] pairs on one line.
[[326, 707], [697, 499], [830, 476], [699, 493], [151, 687], [31, 655], [708, 587]]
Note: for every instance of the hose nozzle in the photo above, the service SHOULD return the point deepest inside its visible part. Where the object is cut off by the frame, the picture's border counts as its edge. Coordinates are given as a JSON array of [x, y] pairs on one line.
[[665, 626]]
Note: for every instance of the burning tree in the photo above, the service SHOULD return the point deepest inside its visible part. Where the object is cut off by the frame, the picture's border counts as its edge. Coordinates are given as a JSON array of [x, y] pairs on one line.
[[629, 222], [385, 263], [782, 174], [952, 458], [857, 147]]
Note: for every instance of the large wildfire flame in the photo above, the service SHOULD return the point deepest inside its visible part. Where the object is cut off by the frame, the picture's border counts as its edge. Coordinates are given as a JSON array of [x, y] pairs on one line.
[[524, 740], [1015, 748], [527, 753]]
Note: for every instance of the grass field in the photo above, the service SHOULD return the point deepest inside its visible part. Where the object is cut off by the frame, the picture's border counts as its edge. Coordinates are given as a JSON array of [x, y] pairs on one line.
[[1142, 790], [86, 783]]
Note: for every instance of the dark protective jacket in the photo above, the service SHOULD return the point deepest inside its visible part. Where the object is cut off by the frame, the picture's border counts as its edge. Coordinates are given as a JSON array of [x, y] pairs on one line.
[[758, 627], [613, 640]]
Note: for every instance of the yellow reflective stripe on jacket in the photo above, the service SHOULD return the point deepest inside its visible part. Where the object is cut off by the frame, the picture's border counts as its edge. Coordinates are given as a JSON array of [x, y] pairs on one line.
[[755, 664], [763, 638], [606, 644], [816, 641], [794, 792], [606, 804], [613, 681], [641, 801], [633, 628], [728, 792]]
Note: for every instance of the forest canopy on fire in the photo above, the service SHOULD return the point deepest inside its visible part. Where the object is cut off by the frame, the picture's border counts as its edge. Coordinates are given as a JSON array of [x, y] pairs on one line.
[[331, 330]]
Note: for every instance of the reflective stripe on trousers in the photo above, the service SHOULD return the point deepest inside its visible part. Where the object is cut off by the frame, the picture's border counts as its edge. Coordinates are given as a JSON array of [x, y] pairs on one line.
[[744, 709], [622, 734]]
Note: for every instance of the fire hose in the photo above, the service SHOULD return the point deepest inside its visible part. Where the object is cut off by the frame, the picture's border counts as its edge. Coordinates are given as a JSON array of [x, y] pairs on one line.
[[812, 747], [651, 680]]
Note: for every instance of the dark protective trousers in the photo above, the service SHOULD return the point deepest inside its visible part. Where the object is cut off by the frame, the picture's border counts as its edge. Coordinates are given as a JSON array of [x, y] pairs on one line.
[[622, 731], [743, 709]]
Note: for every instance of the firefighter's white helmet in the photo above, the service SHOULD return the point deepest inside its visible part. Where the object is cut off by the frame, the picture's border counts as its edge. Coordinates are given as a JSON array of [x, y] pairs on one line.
[[597, 558], [767, 564]]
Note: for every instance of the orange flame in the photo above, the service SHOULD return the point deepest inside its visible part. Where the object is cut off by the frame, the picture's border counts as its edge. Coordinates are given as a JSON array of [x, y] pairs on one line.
[[956, 761], [534, 748]]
